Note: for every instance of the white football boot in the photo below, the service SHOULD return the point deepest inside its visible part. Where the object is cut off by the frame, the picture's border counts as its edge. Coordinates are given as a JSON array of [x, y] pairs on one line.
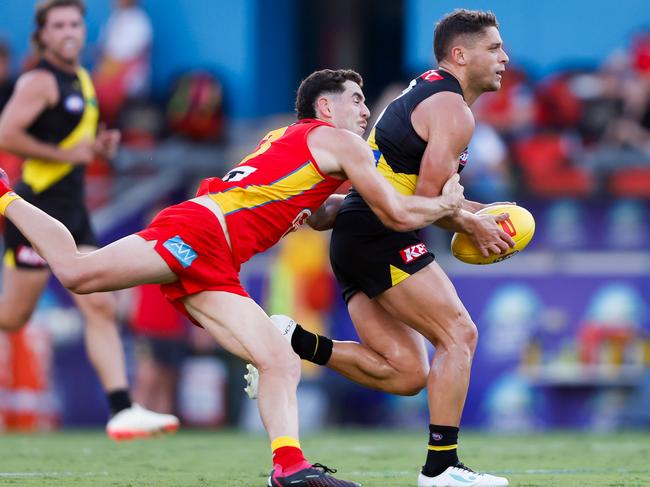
[[461, 476], [138, 422], [286, 326]]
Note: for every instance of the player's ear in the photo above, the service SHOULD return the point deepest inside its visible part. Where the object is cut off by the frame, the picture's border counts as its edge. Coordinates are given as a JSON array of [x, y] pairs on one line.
[[324, 107], [458, 55]]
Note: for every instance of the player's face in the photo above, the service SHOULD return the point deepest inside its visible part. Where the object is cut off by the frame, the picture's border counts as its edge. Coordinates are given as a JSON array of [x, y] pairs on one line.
[[64, 33], [486, 60], [349, 110]]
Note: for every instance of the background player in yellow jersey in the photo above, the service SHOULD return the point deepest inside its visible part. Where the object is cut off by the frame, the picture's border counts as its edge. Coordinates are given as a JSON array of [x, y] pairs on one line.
[[397, 295], [51, 120]]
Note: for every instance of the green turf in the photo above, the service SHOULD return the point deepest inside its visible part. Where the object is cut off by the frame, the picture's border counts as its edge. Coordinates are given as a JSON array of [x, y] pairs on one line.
[[375, 458]]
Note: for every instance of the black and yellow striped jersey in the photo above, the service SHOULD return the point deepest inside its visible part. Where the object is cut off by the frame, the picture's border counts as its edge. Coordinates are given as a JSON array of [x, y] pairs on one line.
[[72, 119], [397, 148]]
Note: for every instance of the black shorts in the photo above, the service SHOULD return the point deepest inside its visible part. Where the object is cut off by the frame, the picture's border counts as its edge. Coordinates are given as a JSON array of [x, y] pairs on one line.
[[75, 217], [366, 256], [167, 352]]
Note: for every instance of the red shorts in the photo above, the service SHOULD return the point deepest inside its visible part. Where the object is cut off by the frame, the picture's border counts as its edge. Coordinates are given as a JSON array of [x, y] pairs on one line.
[[190, 239]]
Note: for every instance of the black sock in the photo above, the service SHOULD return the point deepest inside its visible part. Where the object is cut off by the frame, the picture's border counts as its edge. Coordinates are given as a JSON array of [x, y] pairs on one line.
[[118, 400], [310, 346], [443, 449]]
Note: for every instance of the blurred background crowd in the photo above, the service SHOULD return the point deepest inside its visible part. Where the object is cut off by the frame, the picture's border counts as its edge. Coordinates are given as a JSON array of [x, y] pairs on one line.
[[194, 84]]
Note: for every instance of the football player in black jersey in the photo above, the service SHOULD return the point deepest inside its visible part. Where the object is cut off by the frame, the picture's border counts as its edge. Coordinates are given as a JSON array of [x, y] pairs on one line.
[[51, 121]]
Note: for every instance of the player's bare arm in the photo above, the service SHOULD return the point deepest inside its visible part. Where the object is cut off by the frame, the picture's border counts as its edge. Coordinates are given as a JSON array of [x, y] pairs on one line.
[[323, 218], [447, 123], [34, 92], [340, 152]]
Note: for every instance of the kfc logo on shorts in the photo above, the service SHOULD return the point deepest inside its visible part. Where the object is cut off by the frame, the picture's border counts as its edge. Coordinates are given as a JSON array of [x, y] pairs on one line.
[[409, 254], [28, 256]]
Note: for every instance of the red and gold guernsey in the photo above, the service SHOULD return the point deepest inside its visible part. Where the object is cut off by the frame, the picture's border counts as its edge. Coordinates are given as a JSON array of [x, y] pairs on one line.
[[272, 191]]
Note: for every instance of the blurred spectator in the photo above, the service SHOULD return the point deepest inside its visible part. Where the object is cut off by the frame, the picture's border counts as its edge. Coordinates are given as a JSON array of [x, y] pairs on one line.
[[511, 110], [9, 162], [6, 79], [195, 108], [161, 349], [487, 177], [622, 122], [123, 70]]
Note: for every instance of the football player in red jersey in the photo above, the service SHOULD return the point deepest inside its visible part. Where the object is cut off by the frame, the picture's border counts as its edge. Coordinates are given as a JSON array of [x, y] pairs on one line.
[[397, 295], [195, 249]]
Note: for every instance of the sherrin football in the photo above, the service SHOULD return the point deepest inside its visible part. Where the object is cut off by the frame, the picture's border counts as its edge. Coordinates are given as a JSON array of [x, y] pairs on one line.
[[520, 225]]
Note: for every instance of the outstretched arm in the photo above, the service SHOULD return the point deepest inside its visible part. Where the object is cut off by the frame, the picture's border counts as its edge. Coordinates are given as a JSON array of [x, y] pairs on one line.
[[397, 211]]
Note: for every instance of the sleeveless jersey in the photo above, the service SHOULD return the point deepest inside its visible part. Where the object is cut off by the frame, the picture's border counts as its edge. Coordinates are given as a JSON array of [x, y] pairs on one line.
[[272, 191], [72, 119], [397, 147]]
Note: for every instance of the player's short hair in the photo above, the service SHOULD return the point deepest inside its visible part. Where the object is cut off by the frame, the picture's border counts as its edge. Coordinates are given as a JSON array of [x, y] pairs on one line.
[[319, 82], [40, 16], [457, 23]]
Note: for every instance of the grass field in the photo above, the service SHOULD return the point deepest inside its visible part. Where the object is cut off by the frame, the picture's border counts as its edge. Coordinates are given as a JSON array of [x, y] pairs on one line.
[[374, 458]]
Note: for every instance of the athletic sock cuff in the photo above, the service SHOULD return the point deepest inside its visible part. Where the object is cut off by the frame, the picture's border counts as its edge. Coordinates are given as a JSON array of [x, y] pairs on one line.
[[310, 346], [7, 198]]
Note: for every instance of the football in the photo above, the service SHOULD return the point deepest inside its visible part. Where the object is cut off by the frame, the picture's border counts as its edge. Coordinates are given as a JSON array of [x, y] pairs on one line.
[[520, 225]]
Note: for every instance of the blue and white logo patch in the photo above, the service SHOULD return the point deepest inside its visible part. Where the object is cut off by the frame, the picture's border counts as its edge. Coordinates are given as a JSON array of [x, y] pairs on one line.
[[181, 251], [74, 104]]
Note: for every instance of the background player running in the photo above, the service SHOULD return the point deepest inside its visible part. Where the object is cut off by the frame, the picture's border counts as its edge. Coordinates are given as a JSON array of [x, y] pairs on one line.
[[51, 120]]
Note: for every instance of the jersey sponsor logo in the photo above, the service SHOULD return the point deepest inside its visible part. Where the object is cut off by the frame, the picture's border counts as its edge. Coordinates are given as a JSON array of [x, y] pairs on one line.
[[28, 256], [464, 156], [239, 173], [298, 221], [414, 252], [74, 104], [431, 75], [182, 252]]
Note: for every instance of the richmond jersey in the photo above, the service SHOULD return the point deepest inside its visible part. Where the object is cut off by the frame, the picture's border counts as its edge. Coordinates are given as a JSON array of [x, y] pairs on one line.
[[72, 119], [397, 148], [272, 191]]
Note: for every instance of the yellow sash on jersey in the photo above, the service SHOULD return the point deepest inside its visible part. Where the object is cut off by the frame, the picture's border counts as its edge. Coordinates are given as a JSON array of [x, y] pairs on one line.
[[291, 185], [403, 183], [40, 174]]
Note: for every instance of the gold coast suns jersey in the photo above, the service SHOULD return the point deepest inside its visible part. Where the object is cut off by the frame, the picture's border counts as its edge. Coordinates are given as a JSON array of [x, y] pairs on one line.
[[272, 191], [397, 148], [72, 119]]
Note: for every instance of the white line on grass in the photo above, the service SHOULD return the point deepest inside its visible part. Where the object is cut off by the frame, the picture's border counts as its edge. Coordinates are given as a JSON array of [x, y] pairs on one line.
[[51, 474]]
